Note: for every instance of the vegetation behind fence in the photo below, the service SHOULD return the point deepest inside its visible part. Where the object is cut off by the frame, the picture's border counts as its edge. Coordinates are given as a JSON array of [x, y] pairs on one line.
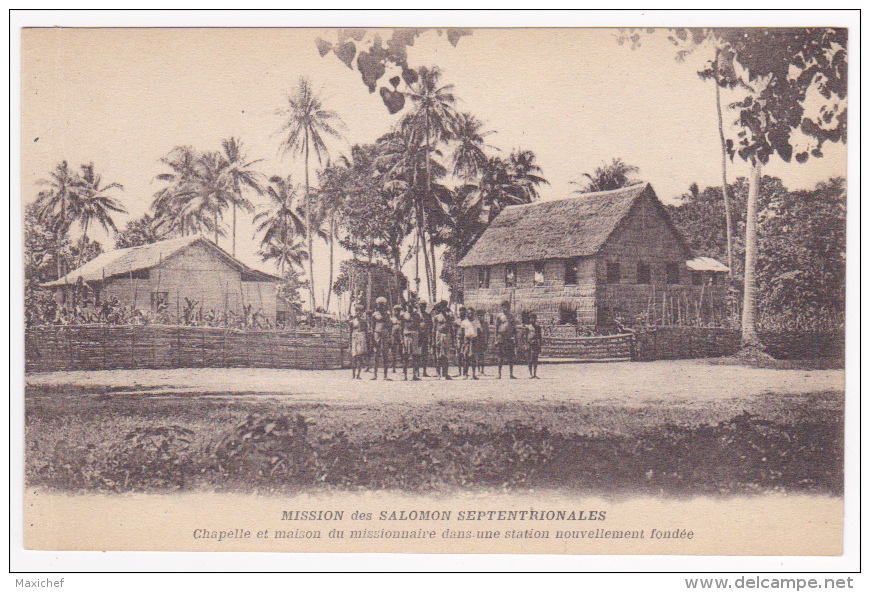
[[106, 347]]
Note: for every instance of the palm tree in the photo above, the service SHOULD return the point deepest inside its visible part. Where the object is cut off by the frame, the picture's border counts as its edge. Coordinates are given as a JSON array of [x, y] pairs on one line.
[[53, 206], [288, 255], [239, 175], [469, 156], [432, 118], [280, 224], [91, 204], [525, 173], [399, 161], [171, 207], [724, 75], [213, 192], [334, 182], [607, 177], [306, 124]]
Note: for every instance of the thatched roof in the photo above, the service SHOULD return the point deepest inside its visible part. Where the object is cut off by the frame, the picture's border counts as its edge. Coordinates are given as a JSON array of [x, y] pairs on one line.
[[124, 261], [560, 229]]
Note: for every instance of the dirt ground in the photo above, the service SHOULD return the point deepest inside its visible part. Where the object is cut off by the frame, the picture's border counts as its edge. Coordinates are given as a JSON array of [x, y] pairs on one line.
[[601, 426], [622, 383]]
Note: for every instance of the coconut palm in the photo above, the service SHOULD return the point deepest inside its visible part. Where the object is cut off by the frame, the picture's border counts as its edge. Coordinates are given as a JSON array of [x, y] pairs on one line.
[[607, 177], [400, 161], [469, 156], [53, 206], [335, 181], [239, 175], [288, 254], [213, 192], [170, 204], [525, 173], [432, 119], [306, 123], [279, 223], [91, 204]]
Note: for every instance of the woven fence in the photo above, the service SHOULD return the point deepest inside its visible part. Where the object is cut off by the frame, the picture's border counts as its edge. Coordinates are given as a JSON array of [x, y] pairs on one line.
[[608, 347], [102, 347]]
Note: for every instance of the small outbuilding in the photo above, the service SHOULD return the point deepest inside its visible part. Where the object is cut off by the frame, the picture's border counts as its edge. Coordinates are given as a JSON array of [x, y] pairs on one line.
[[592, 260], [167, 274]]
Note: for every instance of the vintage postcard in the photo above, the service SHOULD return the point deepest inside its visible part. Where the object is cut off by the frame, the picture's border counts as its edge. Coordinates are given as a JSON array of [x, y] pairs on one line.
[[457, 290]]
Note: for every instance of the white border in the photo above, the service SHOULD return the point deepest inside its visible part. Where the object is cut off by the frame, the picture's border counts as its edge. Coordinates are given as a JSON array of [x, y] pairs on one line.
[[134, 561]]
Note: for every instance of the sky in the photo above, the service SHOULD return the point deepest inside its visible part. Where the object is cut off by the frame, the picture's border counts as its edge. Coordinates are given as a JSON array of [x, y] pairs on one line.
[[123, 98]]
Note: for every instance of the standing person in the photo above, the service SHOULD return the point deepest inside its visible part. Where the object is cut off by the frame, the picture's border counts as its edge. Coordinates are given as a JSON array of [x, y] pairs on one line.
[[461, 366], [468, 330], [522, 355], [411, 322], [426, 338], [505, 337], [380, 336], [442, 325], [396, 335], [535, 338], [482, 340], [358, 342], [370, 344]]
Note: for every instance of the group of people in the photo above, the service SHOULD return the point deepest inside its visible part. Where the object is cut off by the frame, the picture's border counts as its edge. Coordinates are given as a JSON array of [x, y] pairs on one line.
[[410, 333]]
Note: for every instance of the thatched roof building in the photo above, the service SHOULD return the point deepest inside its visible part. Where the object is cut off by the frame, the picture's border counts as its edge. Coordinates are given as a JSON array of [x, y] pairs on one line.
[[585, 259], [171, 274]]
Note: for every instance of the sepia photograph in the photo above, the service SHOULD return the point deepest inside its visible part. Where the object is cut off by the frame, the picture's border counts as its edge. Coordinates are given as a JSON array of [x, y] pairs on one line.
[[572, 291]]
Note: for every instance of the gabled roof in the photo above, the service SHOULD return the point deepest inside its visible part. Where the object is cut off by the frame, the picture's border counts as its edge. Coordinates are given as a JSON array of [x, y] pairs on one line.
[[125, 261], [560, 229]]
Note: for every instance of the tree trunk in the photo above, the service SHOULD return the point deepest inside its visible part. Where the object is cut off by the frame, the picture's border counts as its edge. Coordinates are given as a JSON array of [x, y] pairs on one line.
[[82, 245], [57, 256], [725, 195], [234, 229], [433, 289], [749, 335], [369, 280], [331, 259], [283, 248], [308, 231], [216, 228]]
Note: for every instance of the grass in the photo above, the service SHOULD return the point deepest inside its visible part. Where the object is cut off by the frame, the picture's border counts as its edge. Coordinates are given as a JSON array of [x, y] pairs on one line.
[[86, 440]]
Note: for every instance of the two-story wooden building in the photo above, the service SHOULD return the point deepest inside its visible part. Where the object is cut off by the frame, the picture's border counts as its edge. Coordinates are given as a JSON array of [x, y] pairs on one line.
[[171, 271], [592, 259]]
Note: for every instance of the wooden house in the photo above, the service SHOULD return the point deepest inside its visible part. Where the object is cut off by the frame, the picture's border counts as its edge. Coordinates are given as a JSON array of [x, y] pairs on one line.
[[591, 260], [170, 272]]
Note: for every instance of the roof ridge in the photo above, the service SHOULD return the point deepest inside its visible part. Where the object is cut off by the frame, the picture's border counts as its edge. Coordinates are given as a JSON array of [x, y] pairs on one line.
[[579, 195]]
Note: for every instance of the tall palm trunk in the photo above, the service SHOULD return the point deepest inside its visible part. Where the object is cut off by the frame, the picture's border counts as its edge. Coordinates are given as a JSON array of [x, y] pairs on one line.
[[725, 195], [331, 259], [369, 278], [82, 244], [749, 334], [57, 254], [234, 229], [434, 285], [283, 248], [421, 225], [216, 228], [308, 230]]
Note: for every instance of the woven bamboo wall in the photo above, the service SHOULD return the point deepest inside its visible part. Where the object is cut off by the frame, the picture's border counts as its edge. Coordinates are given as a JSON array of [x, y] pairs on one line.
[[100, 347]]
